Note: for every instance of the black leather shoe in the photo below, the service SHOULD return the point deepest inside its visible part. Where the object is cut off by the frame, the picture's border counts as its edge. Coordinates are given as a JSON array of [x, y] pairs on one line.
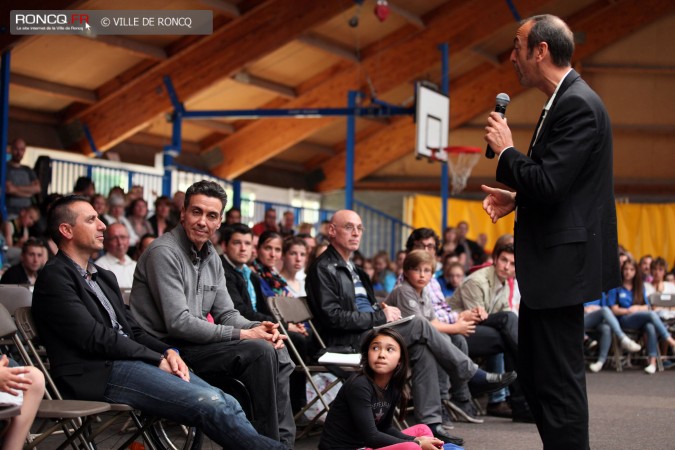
[[441, 433], [493, 382]]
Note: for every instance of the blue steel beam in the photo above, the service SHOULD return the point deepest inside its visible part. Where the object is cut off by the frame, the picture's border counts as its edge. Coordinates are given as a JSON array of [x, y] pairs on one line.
[[4, 126], [445, 176], [352, 98], [300, 113]]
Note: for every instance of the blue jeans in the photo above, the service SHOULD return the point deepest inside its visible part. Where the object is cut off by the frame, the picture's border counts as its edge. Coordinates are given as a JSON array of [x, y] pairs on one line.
[[604, 321], [158, 393], [650, 323]]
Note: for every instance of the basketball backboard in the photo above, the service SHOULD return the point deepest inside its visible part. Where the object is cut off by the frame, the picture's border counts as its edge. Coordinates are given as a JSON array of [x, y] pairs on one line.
[[432, 115]]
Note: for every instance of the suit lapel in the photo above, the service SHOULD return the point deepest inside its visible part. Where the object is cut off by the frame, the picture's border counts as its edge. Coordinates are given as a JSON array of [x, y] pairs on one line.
[[567, 82]]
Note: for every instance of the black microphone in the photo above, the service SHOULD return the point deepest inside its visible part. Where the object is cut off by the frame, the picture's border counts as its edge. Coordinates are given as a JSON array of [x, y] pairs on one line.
[[502, 101]]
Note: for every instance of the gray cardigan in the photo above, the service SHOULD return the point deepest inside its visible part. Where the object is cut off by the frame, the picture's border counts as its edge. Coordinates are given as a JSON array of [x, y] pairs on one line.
[[175, 287]]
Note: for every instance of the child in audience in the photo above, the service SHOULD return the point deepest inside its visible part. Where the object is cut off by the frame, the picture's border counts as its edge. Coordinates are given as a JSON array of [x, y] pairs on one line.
[[29, 380], [630, 304], [658, 269], [383, 274], [361, 415]]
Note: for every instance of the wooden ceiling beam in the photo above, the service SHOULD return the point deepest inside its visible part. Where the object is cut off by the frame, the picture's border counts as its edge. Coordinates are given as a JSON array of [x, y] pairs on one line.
[[50, 89], [408, 15], [334, 48], [473, 93], [463, 23], [131, 46], [29, 115], [158, 142], [268, 85], [215, 125], [249, 37], [223, 7]]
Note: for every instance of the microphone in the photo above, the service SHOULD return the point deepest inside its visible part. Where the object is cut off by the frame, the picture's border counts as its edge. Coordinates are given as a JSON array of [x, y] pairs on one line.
[[502, 101]]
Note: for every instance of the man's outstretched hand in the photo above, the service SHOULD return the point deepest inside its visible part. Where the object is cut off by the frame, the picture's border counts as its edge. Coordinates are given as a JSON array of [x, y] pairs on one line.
[[498, 203]]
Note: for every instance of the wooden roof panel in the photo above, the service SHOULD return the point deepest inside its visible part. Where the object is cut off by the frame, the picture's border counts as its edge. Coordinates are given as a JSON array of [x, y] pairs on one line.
[[29, 99], [71, 60], [292, 64], [229, 94]]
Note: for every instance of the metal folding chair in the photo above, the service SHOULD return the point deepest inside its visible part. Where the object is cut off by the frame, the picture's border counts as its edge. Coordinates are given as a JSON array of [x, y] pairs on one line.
[[74, 417], [153, 430], [295, 310]]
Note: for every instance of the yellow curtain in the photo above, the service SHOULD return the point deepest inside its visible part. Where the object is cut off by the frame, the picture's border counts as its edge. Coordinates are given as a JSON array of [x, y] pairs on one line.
[[643, 228]]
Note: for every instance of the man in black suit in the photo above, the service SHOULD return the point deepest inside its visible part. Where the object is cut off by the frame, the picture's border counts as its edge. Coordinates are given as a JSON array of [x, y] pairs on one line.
[[565, 232], [97, 350]]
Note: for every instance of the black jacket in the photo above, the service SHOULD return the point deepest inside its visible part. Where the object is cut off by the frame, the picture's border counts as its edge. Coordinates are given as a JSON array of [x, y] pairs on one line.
[[77, 332], [565, 232], [330, 293], [236, 287], [15, 275]]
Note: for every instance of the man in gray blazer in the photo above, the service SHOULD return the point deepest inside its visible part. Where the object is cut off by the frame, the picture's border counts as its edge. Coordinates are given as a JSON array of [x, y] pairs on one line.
[[565, 232]]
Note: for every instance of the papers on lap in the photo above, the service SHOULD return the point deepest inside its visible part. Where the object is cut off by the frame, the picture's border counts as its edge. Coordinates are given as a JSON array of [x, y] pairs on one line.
[[342, 359]]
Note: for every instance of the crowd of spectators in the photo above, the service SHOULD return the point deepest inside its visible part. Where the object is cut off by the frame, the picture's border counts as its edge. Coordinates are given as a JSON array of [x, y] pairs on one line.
[[464, 291]]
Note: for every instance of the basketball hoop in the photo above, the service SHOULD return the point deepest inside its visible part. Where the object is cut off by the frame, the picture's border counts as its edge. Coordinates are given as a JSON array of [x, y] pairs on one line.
[[461, 161]]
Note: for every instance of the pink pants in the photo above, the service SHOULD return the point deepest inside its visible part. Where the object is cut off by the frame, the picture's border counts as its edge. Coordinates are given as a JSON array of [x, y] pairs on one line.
[[416, 431]]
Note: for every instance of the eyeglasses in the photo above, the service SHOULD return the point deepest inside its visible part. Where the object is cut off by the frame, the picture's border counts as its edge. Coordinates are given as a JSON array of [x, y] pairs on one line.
[[424, 246], [349, 227]]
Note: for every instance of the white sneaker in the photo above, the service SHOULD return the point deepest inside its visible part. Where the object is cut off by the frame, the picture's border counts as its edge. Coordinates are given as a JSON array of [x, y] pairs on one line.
[[630, 345], [596, 366], [651, 369]]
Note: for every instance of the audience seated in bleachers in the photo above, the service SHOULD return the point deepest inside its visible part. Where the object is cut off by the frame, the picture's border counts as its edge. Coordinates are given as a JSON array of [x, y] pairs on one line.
[[98, 352], [630, 304], [179, 280], [599, 318], [344, 306]]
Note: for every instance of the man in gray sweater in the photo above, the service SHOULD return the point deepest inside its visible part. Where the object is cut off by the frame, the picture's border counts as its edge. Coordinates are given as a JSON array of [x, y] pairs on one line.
[[179, 280]]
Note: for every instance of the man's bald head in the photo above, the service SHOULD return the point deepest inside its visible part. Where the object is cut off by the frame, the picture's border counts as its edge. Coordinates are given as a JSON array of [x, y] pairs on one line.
[[345, 232]]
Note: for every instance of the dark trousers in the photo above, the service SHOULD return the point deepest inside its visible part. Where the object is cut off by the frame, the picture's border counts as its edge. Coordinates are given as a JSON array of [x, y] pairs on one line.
[[552, 374], [498, 334], [264, 371]]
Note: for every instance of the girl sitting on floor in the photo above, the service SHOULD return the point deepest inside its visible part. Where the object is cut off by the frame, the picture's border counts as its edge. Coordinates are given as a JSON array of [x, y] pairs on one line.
[[362, 413]]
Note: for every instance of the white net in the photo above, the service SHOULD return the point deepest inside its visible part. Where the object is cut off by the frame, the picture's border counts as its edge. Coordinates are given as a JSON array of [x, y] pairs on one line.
[[460, 165]]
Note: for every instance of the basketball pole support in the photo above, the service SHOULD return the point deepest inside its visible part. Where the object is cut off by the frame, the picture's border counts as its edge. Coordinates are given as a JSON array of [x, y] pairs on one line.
[[445, 177], [377, 109]]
